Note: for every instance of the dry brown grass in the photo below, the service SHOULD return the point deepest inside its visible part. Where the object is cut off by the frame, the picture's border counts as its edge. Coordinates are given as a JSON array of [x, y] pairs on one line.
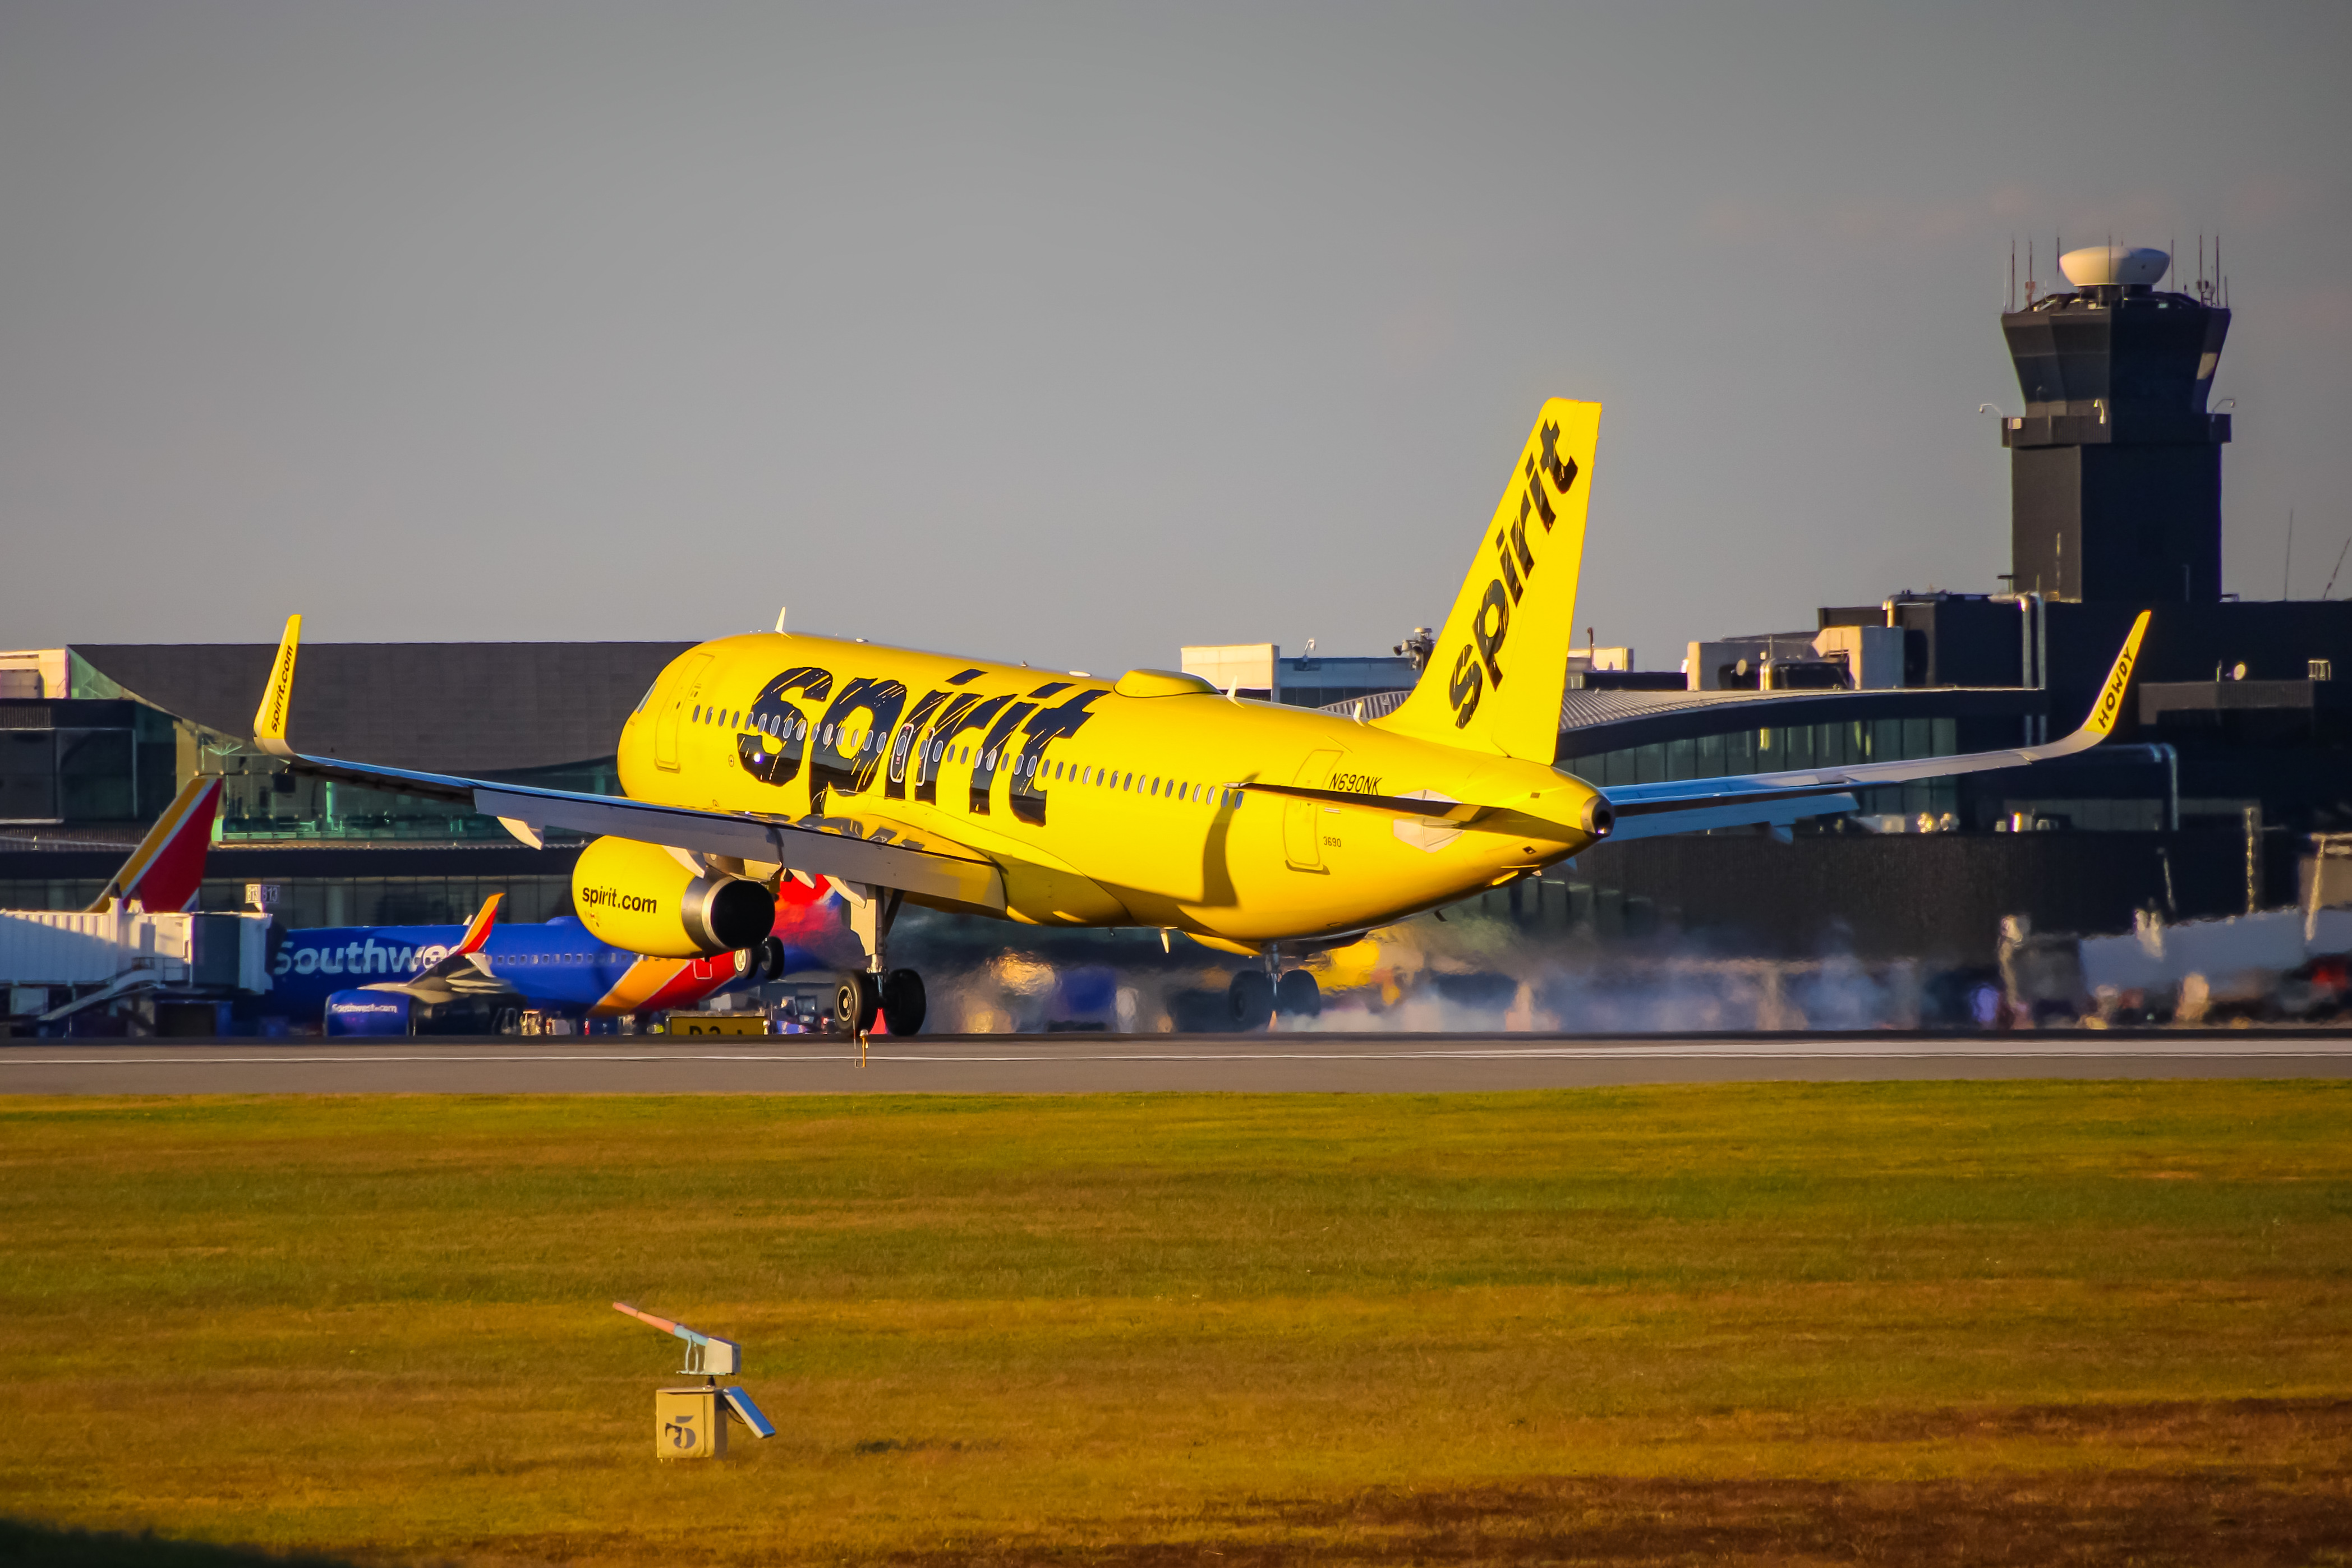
[[1864, 1323]]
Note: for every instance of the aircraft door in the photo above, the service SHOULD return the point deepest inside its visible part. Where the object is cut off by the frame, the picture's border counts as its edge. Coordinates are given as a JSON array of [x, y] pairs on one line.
[[688, 689], [1302, 820]]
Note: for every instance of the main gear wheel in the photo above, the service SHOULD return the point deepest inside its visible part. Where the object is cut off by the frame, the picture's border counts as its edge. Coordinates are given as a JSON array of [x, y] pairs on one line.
[[903, 1003], [1296, 995], [1250, 1000], [854, 1002]]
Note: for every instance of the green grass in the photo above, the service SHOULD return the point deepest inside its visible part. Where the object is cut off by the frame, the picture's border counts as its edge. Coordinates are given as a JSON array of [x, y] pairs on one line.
[[1981, 1322]]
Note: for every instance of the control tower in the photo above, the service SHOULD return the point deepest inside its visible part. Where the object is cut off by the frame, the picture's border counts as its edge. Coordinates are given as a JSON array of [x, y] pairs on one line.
[[2116, 468]]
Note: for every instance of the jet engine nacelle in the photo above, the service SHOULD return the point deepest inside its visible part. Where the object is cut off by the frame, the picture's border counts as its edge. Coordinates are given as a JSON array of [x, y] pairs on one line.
[[644, 898]]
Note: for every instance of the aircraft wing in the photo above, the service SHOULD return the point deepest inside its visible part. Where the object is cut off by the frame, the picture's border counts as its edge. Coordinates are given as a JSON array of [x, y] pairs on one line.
[[1691, 805], [873, 854]]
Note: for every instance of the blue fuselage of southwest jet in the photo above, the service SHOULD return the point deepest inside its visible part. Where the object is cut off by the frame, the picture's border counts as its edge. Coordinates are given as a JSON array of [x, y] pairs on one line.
[[557, 967]]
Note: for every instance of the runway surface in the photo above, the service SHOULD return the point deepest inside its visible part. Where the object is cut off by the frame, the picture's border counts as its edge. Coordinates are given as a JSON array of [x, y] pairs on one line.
[[1082, 1063]]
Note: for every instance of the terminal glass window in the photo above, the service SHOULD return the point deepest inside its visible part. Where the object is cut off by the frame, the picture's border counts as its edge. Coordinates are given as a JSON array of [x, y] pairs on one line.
[[95, 782], [268, 805], [29, 776]]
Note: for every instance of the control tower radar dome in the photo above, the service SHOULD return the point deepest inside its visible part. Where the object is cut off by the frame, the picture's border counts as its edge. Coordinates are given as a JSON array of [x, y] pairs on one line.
[[2110, 264], [2115, 464]]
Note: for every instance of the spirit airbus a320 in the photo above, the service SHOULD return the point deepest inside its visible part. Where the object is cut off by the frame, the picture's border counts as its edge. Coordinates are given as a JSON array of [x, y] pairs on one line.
[[1153, 799]]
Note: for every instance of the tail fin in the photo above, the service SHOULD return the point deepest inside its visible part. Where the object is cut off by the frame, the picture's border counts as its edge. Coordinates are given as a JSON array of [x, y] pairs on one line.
[[167, 869], [1494, 682], [479, 931]]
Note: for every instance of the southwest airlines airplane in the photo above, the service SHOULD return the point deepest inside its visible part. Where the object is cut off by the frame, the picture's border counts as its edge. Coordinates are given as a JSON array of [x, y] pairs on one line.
[[553, 967], [556, 966], [1154, 800]]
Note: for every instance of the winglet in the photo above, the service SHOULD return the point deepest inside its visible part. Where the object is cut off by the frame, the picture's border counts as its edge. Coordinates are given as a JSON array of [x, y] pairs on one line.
[[479, 931], [2109, 710], [2110, 705], [269, 718]]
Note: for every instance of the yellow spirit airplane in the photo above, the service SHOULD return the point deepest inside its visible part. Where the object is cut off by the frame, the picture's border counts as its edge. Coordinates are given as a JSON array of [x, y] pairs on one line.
[[1153, 799]]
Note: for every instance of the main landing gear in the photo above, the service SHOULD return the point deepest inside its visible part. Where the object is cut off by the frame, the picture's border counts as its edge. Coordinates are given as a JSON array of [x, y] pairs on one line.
[[894, 995], [1257, 998]]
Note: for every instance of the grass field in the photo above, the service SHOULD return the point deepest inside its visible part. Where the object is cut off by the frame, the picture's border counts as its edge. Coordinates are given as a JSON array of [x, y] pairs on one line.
[[1987, 1323]]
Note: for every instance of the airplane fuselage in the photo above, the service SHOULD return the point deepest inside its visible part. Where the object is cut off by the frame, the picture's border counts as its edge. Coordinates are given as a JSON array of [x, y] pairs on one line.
[[1103, 806]]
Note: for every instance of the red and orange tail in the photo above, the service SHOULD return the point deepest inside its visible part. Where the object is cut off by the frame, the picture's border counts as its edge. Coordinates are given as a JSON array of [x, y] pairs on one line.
[[479, 931], [166, 872]]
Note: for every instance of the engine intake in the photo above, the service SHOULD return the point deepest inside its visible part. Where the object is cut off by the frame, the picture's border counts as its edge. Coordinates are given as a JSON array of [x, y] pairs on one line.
[[1599, 817], [641, 897]]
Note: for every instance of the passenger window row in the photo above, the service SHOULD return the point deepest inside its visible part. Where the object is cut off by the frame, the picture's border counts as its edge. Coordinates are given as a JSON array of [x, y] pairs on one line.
[[1147, 785]]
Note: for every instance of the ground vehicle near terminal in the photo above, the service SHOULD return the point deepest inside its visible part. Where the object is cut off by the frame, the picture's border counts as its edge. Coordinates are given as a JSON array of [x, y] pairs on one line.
[[892, 775]]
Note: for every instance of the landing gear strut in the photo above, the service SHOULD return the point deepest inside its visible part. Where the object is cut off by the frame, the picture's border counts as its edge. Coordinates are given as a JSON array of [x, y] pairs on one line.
[[897, 995]]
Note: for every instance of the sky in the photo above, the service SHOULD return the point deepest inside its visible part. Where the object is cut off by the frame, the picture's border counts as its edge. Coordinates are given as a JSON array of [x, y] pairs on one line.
[[1073, 334]]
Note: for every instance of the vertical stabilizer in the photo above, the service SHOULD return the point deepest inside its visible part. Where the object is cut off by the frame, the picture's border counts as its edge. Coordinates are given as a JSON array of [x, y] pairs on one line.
[[1495, 681], [166, 872]]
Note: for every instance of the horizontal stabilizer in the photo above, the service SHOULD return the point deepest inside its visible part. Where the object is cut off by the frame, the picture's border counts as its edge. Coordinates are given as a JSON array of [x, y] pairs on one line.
[[1401, 805]]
